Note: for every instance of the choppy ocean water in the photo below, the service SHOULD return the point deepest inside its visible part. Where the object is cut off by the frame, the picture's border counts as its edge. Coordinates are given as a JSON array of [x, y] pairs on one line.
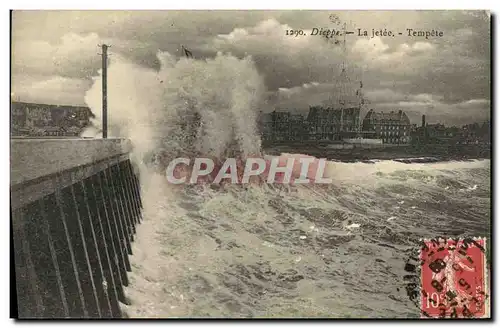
[[334, 250], [307, 251]]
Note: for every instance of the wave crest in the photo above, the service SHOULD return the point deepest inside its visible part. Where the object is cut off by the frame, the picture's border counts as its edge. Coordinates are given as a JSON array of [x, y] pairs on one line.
[[187, 107]]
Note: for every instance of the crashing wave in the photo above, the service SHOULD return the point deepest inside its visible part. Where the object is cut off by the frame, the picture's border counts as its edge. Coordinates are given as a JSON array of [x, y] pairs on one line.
[[186, 108]]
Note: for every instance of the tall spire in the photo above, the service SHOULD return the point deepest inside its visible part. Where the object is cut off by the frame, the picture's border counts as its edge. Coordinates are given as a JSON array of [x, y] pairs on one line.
[[361, 98], [343, 98]]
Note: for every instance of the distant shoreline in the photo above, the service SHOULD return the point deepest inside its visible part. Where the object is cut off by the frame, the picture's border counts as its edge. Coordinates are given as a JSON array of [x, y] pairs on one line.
[[441, 152]]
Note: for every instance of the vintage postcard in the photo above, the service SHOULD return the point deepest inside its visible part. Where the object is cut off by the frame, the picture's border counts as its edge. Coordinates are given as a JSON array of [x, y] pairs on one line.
[[251, 164]]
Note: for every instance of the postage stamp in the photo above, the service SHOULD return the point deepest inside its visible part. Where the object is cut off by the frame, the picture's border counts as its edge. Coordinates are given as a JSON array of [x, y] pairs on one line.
[[454, 278]]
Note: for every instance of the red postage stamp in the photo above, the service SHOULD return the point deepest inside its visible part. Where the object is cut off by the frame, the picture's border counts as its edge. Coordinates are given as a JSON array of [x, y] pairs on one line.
[[454, 278]]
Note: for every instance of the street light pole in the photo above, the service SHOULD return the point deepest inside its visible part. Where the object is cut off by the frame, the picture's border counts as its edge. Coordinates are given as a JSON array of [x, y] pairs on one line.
[[104, 90]]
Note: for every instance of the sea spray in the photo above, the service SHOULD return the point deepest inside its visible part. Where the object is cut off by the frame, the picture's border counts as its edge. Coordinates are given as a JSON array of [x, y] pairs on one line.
[[186, 107]]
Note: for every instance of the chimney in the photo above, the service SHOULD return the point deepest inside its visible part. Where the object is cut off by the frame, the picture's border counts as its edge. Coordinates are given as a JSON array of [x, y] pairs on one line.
[[423, 120]]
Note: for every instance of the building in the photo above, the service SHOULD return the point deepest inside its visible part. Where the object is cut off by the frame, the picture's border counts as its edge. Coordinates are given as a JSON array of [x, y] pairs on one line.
[[437, 130], [326, 123], [477, 133], [298, 128], [392, 128], [265, 126], [281, 121], [321, 123], [54, 131], [282, 126], [21, 131], [18, 117], [438, 133], [73, 131], [277, 125], [43, 119]]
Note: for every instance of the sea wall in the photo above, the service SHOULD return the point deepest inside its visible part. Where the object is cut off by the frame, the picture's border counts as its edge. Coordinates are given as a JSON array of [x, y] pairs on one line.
[[75, 204]]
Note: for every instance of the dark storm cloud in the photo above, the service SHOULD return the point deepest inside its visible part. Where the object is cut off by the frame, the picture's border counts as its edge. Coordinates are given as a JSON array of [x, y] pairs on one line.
[[61, 47]]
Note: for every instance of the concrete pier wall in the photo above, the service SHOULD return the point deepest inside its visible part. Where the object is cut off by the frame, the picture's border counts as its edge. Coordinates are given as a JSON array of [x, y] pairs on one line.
[[75, 205]]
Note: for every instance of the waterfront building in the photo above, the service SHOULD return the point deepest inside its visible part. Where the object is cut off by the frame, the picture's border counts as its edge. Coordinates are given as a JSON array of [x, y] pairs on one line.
[[297, 128], [30, 119], [476, 132], [265, 126], [18, 117], [281, 125], [54, 131], [326, 123], [321, 123], [337, 120], [438, 133], [275, 126], [437, 130], [73, 131], [392, 128]]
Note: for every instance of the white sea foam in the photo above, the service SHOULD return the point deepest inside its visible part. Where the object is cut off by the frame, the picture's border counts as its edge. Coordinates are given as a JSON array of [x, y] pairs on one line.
[[180, 108]]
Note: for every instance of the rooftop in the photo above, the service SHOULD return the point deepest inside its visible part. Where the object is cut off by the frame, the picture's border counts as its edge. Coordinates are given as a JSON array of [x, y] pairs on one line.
[[389, 116]]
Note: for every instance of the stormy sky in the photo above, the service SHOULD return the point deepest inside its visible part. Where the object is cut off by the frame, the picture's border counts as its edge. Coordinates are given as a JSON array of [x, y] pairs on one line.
[[55, 55]]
